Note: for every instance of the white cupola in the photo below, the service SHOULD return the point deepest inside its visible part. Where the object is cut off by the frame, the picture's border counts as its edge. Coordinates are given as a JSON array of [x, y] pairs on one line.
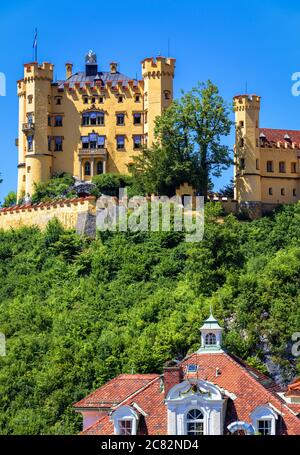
[[211, 335]]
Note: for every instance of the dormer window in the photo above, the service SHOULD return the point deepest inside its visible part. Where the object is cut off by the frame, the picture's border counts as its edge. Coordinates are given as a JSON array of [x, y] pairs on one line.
[[125, 427], [125, 420], [194, 423], [210, 339]]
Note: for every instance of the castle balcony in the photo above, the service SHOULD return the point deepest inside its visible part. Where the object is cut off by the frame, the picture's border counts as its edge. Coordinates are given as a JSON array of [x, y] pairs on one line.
[[28, 127], [93, 153]]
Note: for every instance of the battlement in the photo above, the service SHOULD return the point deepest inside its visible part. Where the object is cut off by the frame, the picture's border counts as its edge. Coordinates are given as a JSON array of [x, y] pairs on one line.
[[67, 211], [242, 102], [162, 65], [35, 70]]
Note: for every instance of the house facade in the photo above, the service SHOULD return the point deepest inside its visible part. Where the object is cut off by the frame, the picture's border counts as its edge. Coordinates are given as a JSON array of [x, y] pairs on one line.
[[210, 392], [266, 160], [92, 122]]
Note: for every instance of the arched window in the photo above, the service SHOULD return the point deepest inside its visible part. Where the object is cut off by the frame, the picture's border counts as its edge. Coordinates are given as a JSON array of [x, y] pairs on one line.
[[99, 167], [87, 168], [194, 423], [210, 339]]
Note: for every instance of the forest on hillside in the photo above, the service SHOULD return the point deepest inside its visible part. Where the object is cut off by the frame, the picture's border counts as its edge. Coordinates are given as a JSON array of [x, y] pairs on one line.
[[77, 312]]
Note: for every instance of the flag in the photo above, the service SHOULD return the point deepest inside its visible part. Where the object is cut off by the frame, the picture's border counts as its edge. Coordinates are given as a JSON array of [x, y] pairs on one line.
[[35, 39]]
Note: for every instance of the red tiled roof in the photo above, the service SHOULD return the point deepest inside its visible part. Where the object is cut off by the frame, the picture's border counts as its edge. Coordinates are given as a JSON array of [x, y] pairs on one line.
[[250, 387], [116, 391], [274, 135], [151, 401]]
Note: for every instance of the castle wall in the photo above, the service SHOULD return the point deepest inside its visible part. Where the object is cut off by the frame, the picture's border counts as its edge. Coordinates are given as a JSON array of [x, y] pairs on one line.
[[67, 211]]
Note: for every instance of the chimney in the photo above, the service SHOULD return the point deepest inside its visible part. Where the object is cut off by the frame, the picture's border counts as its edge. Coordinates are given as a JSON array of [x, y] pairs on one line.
[[173, 374], [69, 70], [113, 67]]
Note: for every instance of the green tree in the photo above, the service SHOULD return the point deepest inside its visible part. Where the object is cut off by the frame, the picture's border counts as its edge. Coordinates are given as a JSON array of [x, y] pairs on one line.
[[188, 144], [60, 186], [10, 199]]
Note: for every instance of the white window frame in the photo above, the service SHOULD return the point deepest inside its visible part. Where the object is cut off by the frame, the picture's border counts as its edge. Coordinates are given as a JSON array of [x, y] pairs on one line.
[[186, 420], [124, 413], [264, 413]]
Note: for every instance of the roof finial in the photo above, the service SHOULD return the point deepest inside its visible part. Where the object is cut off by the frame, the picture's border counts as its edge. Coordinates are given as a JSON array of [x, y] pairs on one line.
[[210, 310]]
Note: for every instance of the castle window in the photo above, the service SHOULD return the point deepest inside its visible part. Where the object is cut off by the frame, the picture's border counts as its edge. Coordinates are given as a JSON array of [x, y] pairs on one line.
[[30, 142], [241, 142], [270, 167], [242, 163], [58, 144], [120, 142], [101, 99], [146, 117], [270, 191], [58, 100], [293, 168], [167, 94], [194, 423], [93, 118], [49, 120], [28, 169], [137, 118], [257, 164], [93, 141], [210, 339], [294, 192], [137, 141], [93, 100], [29, 99], [85, 100], [120, 99], [282, 192], [137, 98], [282, 166], [241, 124], [120, 119], [58, 121], [99, 169], [49, 99], [24, 178], [87, 168]]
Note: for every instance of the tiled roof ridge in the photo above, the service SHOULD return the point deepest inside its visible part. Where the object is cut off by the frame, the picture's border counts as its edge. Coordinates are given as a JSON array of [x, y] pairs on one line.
[[279, 129]]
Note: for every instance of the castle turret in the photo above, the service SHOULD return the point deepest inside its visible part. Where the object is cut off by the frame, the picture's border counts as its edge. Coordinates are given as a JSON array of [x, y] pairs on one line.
[[247, 151], [158, 90], [35, 107]]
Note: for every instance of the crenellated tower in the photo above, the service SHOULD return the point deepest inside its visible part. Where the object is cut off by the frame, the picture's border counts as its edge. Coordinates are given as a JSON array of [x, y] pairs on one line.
[[35, 108], [247, 150], [158, 90]]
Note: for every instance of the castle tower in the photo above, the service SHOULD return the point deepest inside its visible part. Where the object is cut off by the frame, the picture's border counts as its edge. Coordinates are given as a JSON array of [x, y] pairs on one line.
[[35, 108], [158, 90], [247, 150]]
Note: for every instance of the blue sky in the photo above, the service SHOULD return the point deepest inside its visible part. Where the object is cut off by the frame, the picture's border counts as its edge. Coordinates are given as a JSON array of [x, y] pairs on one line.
[[229, 42]]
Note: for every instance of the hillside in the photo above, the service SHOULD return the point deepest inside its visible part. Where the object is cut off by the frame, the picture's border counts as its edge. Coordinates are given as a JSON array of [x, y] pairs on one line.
[[77, 312]]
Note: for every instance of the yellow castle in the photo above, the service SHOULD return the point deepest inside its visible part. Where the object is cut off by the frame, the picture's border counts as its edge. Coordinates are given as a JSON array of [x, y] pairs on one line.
[[266, 160], [91, 123]]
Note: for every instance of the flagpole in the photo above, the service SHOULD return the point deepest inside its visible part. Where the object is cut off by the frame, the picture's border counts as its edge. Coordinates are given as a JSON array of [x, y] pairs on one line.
[[36, 45]]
